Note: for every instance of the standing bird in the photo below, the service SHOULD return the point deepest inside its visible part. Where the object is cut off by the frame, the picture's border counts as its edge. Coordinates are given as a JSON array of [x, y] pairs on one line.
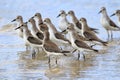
[[19, 20], [89, 34], [51, 48], [28, 38], [39, 22], [107, 23], [77, 43], [55, 36]]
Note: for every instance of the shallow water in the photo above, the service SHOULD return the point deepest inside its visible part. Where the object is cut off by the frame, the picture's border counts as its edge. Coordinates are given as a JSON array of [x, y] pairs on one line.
[[16, 63]]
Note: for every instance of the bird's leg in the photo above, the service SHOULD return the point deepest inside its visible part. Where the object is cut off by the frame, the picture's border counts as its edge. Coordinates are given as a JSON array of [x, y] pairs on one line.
[[111, 35], [37, 50], [84, 57], [78, 55], [49, 59], [108, 34], [56, 60], [33, 53], [26, 48], [74, 50]]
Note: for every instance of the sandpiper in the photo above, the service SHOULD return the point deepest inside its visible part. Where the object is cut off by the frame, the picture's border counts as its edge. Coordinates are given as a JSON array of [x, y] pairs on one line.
[[34, 30], [107, 23], [28, 37], [117, 13], [41, 26], [55, 36], [51, 48], [19, 20], [63, 22], [89, 34], [77, 24], [77, 42]]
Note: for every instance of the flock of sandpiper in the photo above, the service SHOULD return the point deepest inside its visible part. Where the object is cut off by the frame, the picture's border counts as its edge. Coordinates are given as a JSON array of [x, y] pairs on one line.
[[78, 35]]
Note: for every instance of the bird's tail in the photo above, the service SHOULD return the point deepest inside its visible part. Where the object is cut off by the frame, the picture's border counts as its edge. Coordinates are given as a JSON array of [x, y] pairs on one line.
[[95, 30], [96, 50], [104, 43], [65, 52]]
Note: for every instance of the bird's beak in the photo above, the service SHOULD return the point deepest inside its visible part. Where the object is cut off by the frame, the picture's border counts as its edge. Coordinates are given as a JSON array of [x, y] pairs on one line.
[[26, 22], [99, 11], [13, 20], [18, 28], [58, 15], [32, 17], [64, 31], [112, 14]]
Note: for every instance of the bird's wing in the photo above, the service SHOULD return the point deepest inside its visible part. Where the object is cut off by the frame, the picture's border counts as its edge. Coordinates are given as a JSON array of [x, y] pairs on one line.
[[34, 40], [43, 27], [51, 47], [60, 36], [112, 24], [90, 35], [40, 35], [78, 25], [81, 44]]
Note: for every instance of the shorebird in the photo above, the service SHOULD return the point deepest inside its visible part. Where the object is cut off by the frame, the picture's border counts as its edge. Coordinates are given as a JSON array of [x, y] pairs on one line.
[[77, 43], [39, 22], [34, 30], [19, 21], [77, 24], [55, 36], [89, 34], [28, 38], [117, 13], [63, 22], [51, 48], [107, 23]]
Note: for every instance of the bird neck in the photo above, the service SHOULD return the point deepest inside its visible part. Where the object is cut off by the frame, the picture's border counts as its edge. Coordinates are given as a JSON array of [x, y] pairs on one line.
[[84, 26], [63, 21], [33, 25], [46, 38], [51, 27], [20, 22], [105, 15], [74, 19], [26, 32], [71, 35], [39, 19], [119, 18]]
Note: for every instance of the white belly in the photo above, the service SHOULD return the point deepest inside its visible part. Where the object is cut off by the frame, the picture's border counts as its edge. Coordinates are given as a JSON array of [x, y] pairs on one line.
[[20, 33], [63, 25], [105, 23]]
